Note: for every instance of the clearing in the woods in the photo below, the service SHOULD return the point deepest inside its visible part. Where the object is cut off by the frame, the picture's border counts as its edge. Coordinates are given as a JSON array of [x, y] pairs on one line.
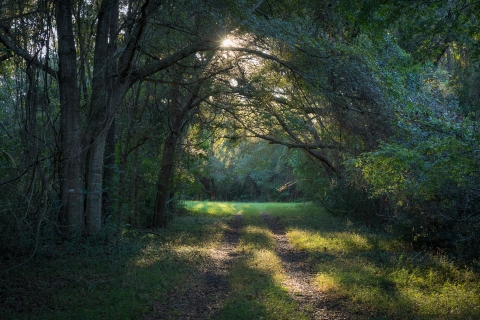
[[241, 261]]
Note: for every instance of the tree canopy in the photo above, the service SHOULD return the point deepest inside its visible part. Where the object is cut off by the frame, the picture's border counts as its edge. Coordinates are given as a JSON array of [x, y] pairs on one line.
[[113, 110]]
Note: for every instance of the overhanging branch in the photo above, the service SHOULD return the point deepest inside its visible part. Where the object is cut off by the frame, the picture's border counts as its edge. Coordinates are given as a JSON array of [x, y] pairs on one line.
[[311, 149], [4, 39]]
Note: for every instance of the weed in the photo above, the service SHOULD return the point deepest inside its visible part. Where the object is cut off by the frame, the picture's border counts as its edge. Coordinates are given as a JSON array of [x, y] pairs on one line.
[[119, 276], [377, 272]]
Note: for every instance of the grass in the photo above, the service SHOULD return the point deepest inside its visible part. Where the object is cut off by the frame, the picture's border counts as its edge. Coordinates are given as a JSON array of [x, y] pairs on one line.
[[221, 208], [112, 281], [121, 278], [257, 274], [375, 272]]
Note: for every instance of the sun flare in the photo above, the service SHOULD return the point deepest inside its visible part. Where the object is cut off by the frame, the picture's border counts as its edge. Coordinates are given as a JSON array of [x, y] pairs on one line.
[[227, 42]]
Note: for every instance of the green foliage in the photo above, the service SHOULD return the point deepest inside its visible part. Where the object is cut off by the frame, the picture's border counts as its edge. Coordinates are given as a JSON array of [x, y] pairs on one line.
[[429, 173], [246, 171], [113, 275], [377, 273]]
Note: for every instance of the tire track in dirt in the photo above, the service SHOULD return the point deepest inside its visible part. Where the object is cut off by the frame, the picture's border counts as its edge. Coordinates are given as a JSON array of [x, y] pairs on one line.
[[300, 278], [205, 300]]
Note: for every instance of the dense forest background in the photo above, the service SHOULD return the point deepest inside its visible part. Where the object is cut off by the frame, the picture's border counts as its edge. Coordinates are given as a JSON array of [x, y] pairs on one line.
[[112, 111]]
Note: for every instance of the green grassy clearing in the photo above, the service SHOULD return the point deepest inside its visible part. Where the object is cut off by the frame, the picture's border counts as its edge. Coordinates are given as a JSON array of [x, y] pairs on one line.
[[120, 278]]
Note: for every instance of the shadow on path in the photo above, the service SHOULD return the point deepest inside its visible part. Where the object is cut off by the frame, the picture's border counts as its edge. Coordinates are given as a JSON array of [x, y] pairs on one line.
[[300, 278], [205, 300]]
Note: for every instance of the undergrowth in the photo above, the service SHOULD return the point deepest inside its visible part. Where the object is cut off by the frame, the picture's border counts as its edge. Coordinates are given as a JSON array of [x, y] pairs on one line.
[[123, 276], [110, 278], [373, 270]]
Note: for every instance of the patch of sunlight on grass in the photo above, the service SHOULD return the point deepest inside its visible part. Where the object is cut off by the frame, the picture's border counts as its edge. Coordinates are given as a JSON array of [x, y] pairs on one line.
[[269, 207], [307, 240], [437, 292], [329, 241], [360, 272], [268, 262], [247, 208], [326, 282], [143, 261], [212, 208], [401, 289], [256, 237], [197, 231], [187, 251], [364, 282]]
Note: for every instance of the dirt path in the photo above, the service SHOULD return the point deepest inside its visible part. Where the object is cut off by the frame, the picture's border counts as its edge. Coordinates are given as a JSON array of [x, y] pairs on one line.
[[311, 301], [205, 301]]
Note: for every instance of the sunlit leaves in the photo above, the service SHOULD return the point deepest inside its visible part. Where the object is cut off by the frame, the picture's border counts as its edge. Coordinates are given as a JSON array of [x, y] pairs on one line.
[[433, 154]]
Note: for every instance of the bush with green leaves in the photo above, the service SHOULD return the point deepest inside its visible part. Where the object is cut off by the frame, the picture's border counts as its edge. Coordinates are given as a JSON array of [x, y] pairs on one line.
[[429, 172]]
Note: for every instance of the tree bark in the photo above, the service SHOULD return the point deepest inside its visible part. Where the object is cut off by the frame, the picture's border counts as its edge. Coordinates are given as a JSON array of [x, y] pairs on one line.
[[160, 216], [106, 96], [109, 157], [180, 115], [93, 205], [72, 180], [109, 170], [95, 133]]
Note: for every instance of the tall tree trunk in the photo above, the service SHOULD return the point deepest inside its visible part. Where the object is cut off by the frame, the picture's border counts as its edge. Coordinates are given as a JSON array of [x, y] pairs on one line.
[[109, 160], [169, 148], [72, 180], [133, 215], [30, 122], [180, 115], [96, 149], [94, 179], [109, 170], [104, 100], [95, 133]]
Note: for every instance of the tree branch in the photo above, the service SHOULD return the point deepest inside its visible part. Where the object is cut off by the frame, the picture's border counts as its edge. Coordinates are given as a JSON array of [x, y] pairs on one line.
[[152, 68], [25, 55], [126, 58], [309, 148], [196, 81]]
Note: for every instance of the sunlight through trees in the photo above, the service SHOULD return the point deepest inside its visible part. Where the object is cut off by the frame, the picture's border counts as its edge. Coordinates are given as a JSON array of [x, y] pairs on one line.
[[112, 112]]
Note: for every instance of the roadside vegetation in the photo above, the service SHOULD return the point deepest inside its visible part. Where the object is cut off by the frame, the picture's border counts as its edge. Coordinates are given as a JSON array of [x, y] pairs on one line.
[[372, 269], [126, 277], [112, 278]]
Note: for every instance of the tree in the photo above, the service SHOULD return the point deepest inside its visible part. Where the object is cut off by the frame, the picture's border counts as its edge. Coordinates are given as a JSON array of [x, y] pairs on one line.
[[325, 81], [113, 74]]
